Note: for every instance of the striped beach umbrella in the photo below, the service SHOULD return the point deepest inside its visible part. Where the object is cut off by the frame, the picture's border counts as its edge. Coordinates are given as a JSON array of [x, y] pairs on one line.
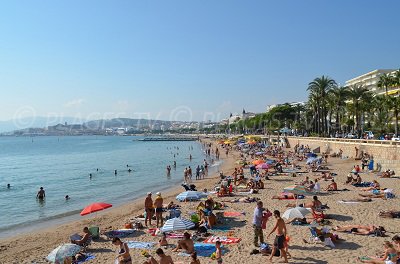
[[190, 196], [176, 224], [59, 254]]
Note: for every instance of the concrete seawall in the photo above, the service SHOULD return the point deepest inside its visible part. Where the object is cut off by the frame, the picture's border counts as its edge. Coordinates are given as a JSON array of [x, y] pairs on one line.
[[387, 153]]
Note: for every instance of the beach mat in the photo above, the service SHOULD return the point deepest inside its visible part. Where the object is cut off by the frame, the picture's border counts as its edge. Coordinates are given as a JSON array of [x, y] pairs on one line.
[[232, 214], [202, 250], [345, 202], [220, 229], [224, 240], [140, 245], [88, 257], [121, 233]]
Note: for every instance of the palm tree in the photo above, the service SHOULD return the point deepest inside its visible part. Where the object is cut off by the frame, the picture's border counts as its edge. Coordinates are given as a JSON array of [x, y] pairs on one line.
[[339, 96], [319, 88], [396, 78], [358, 95], [385, 81], [394, 104]]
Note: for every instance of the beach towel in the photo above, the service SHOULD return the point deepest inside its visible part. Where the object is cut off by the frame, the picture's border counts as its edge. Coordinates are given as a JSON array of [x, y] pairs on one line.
[[202, 250], [140, 245], [88, 257], [121, 233], [224, 240], [175, 235], [233, 214], [220, 229], [346, 202]]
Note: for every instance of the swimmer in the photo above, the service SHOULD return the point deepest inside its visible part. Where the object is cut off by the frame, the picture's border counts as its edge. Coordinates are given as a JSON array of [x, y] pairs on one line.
[[90, 175], [67, 197], [115, 172], [41, 194], [8, 186], [129, 170], [97, 169]]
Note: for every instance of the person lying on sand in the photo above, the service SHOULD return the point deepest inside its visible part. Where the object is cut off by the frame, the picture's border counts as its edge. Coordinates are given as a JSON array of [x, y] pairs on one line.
[[390, 255], [287, 196], [244, 200], [360, 229], [374, 195], [389, 214], [375, 186], [387, 174], [357, 200]]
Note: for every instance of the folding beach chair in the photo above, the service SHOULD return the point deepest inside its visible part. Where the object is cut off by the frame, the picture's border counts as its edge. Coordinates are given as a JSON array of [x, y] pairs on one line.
[[95, 232]]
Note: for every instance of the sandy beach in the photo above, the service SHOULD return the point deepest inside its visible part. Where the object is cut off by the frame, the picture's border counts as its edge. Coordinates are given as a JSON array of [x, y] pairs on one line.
[[34, 247]]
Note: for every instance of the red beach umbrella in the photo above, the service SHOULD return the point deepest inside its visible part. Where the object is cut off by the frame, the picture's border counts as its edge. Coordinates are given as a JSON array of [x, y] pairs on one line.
[[95, 207]]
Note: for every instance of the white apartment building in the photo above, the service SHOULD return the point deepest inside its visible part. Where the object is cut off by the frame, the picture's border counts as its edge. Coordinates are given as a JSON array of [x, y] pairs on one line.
[[370, 80]]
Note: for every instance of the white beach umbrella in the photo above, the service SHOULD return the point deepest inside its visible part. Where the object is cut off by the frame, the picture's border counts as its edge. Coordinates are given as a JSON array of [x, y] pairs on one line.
[[62, 252], [190, 196], [176, 224], [297, 212]]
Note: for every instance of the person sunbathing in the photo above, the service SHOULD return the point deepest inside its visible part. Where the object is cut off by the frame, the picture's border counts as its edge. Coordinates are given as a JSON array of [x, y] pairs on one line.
[[373, 195], [387, 174], [375, 186], [314, 204], [350, 179], [300, 221], [389, 214], [84, 239], [286, 196], [360, 229], [390, 255], [186, 244], [332, 186], [356, 200]]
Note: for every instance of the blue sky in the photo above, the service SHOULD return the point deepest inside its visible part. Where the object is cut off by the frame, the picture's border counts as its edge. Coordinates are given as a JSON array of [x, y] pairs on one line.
[[183, 59]]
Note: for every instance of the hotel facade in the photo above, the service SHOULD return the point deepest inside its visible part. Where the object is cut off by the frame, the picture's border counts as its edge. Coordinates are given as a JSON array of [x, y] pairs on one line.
[[370, 81]]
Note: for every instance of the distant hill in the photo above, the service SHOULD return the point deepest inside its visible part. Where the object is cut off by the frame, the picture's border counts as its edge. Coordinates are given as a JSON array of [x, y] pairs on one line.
[[33, 122], [123, 122]]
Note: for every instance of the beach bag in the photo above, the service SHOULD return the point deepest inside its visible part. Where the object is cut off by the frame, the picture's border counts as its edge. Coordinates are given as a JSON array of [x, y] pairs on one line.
[[379, 233], [389, 195]]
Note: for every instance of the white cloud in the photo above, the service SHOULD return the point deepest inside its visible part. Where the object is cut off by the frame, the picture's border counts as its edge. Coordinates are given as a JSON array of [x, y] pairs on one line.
[[74, 103]]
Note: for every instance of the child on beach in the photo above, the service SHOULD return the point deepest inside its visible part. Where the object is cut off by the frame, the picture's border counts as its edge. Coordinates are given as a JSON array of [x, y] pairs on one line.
[[218, 252], [194, 259]]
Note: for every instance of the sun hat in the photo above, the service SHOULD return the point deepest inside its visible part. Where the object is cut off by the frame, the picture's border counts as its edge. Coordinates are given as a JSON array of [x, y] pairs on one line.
[[158, 193]]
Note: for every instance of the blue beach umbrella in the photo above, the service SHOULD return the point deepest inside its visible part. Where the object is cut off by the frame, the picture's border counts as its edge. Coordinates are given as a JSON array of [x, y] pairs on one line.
[[190, 196], [311, 160], [59, 254], [176, 224], [311, 155]]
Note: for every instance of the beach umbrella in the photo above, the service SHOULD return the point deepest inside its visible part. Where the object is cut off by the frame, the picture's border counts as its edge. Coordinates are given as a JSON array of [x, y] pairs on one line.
[[297, 212], [263, 166], [311, 155], [258, 162], [95, 207], [59, 254], [297, 189], [260, 153], [190, 195], [311, 160], [285, 130], [252, 142], [176, 224]]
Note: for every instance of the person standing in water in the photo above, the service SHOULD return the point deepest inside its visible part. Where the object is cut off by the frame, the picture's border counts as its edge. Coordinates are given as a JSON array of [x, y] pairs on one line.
[[41, 194]]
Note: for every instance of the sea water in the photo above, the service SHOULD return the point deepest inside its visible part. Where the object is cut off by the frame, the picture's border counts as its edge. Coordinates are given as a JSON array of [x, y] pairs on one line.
[[62, 165]]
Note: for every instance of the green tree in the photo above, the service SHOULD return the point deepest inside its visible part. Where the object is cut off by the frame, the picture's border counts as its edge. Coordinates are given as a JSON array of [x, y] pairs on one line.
[[339, 96], [358, 95], [385, 81], [318, 89]]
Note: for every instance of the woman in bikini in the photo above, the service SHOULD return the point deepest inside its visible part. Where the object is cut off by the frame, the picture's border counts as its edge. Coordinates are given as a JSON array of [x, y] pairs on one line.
[[123, 255], [390, 255]]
